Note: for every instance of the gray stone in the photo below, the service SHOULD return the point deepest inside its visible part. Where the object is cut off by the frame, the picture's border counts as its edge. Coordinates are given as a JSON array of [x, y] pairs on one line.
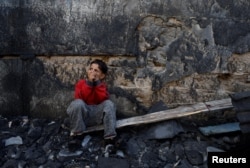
[[167, 155], [195, 152], [14, 141], [214, 149], [112, 163], [51, 164], [158, 106], [220, 129], [194, 157], [120, 154], [14, 152], [33, 153], [85, 141], [185, 164], [179, 151], [10, 163], [132, 147], [163, 130], [68, 153], [35, 132]]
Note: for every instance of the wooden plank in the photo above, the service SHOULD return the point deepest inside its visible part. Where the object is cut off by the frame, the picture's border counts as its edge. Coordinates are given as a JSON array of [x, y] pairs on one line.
[[163, 115], [178, 112], [219, 104]]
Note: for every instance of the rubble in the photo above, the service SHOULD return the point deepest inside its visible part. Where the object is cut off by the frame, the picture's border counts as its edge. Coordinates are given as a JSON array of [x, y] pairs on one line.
[[44, 143]]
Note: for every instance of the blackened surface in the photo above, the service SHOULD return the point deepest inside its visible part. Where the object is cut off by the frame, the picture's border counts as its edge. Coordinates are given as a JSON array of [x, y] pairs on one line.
[[27, 83], [97, 27], [232, 34], [12, 82], [45, 32]]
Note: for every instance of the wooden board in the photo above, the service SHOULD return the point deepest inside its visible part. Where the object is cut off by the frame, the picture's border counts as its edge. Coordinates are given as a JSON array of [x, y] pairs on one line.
[[178, 112], [219, 104]]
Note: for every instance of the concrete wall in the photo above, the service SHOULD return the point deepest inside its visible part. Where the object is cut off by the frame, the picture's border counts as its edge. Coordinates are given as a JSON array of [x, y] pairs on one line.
[[177, 51]]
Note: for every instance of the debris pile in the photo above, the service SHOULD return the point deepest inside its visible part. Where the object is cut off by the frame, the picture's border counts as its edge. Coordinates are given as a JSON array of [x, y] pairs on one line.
[[44, 143]]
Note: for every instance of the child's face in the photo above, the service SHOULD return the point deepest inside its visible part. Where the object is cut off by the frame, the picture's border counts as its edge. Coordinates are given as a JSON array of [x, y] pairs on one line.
[[94, 73]]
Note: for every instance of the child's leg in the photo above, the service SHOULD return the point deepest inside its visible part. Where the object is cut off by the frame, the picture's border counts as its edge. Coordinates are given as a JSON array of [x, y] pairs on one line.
[[77, 112]]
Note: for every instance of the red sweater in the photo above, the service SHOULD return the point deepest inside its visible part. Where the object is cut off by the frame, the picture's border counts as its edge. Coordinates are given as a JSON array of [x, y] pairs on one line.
[[91, 94]]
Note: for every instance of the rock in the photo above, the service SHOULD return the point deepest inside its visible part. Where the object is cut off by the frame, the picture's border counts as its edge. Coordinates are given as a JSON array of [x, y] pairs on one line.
[[85, 141], [14, 141], [179, 151], [132, 147], [214, 149], [14, 152], [68, 153], [10, 163], [51, 164], [38, 122], [150, 158], [120, 154], [185, 164], [35, 133], [194, 157], [104, 162], [166, 155], [158, 106], [47, 147], [195, 152], [41, 160], [33, 153], [231, 140], [220, 129], [163, 130]]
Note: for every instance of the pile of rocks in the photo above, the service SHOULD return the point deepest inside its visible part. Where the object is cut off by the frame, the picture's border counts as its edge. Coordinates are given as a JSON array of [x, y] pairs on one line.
[[28, 143]]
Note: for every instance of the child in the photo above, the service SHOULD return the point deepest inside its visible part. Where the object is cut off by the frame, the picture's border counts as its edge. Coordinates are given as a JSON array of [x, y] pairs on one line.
[[92, 105]]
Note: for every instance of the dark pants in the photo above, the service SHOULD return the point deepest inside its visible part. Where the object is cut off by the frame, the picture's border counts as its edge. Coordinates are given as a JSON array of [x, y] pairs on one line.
[[83, 115]]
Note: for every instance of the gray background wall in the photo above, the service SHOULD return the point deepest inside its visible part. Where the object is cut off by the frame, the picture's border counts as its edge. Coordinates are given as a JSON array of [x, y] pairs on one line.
[[177, 51]]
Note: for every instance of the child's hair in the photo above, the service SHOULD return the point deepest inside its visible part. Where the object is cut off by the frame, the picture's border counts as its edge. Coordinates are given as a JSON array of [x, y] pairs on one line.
[[102, 65]]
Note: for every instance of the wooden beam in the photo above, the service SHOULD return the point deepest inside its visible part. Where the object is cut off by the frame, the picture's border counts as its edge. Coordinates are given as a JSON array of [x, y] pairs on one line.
[[178, 112], [219, 104]]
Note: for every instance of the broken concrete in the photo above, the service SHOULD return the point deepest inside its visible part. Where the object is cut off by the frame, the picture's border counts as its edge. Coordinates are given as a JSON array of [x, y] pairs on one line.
[[51, 146]]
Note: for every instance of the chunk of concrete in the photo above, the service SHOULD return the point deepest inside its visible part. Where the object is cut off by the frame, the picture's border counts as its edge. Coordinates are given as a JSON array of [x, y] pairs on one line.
[[14, 141], [163, 130], [219, 129], [104, 162]]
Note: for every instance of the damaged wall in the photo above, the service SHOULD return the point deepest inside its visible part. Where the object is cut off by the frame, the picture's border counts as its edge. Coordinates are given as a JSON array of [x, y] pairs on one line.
[[177, 51]]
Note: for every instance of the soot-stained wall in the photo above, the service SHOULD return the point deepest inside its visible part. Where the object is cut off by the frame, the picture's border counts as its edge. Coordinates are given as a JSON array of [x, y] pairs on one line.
[[180, 52]]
